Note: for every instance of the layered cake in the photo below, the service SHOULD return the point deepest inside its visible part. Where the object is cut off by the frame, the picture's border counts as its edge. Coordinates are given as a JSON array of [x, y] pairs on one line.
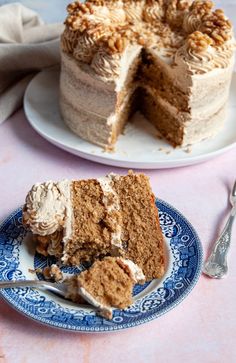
[[172, 60], [84, 220]]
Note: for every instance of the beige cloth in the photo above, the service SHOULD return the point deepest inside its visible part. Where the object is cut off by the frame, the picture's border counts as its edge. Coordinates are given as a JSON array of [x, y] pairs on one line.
[[27, 45]]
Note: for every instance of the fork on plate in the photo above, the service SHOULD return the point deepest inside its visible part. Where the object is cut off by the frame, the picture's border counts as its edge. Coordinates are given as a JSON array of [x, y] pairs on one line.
[[216, 265]]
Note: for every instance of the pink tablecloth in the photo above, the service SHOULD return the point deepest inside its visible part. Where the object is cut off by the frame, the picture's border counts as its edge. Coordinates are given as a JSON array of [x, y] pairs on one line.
[[201, 329]]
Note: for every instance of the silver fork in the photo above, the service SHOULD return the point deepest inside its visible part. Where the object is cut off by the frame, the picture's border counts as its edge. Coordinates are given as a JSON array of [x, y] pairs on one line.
[[216, 265], [58, 288]]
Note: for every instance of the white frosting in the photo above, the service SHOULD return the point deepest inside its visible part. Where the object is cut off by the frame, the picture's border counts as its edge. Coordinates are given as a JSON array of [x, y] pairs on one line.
[[136, 272], [109, 192], [116, 238], [48, 208], [103, 310], [129, 56]]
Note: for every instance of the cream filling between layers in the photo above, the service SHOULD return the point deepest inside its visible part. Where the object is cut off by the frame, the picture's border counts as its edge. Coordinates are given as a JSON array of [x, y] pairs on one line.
[[108, 191], [104, 310], [136, 273]]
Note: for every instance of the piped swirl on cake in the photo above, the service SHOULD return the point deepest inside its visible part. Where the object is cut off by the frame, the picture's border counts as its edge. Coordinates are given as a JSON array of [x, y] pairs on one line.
[[172, 60]]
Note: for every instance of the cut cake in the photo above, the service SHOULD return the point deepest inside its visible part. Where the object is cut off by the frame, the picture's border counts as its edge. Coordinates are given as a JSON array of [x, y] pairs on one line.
[[172, 60]]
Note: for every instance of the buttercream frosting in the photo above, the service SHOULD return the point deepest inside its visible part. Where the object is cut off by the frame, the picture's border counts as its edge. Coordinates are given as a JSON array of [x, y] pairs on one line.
[[106, 65], [103, 310], [140, 22], [112, 204], [191, 22], [153, 12], [85, 48], [134, 11], [48, 208], [135, 271], [207, 60]]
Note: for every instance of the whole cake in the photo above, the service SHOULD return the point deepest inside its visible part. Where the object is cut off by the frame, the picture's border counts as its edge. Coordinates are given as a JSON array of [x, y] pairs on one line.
[[81, 221], [172, 60]]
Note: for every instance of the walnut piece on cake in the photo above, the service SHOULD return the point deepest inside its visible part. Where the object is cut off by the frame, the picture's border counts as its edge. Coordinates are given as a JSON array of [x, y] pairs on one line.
[[217, 27], [199, 42]]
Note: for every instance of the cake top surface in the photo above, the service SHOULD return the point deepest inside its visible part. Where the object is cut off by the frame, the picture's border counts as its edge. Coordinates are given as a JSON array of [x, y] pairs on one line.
[[99, 31]]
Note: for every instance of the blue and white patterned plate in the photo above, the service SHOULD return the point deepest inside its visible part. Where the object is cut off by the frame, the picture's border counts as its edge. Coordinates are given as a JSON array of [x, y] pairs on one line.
[[184, 262]]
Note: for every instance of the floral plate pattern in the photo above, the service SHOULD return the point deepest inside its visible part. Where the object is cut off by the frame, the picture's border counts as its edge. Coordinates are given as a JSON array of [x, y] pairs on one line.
[[184, 263]]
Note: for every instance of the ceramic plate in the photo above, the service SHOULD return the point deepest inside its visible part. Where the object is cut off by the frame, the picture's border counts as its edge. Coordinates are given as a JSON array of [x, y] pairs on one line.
[[184, 261], [139, 147]]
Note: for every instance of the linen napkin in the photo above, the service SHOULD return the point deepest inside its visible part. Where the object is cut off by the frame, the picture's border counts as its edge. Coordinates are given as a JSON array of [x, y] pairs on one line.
[[27, 45]]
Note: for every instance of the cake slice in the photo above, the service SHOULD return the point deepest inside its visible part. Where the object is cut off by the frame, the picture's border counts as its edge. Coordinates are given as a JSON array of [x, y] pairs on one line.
[[106, 285], [84, 220]]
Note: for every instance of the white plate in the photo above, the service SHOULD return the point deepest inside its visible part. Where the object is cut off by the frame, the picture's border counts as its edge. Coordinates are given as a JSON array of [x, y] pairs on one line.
[[137, 148]]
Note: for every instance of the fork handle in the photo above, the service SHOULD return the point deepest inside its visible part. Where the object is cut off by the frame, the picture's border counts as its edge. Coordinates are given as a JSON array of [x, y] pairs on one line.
[[216, 265], [22, 283]]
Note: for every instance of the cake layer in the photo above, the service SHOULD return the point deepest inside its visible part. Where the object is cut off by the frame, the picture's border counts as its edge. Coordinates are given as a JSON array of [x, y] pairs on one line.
[[187, 91], [93, 127], [141, 233], [161, 76], [84, 88], [182, 128], [88, 126], [211, 90], [93, 111]]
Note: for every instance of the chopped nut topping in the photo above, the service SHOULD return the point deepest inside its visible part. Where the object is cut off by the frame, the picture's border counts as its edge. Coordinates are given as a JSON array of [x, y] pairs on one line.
[[201, 7], [99, 31], [78, 7], [217, 26], [115, 43], [141, 41], [149, 27], [199, 42]]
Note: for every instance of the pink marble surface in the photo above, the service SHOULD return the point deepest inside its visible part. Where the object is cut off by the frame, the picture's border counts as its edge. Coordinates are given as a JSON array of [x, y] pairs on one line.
[[201, 329]]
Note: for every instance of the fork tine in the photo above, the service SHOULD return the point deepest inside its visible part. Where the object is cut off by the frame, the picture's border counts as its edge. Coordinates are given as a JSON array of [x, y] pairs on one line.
[[234, 190]]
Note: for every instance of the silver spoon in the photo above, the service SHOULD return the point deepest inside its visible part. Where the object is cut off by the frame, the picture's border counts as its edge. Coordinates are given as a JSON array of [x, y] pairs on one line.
[[58, 288], [216, 264]]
